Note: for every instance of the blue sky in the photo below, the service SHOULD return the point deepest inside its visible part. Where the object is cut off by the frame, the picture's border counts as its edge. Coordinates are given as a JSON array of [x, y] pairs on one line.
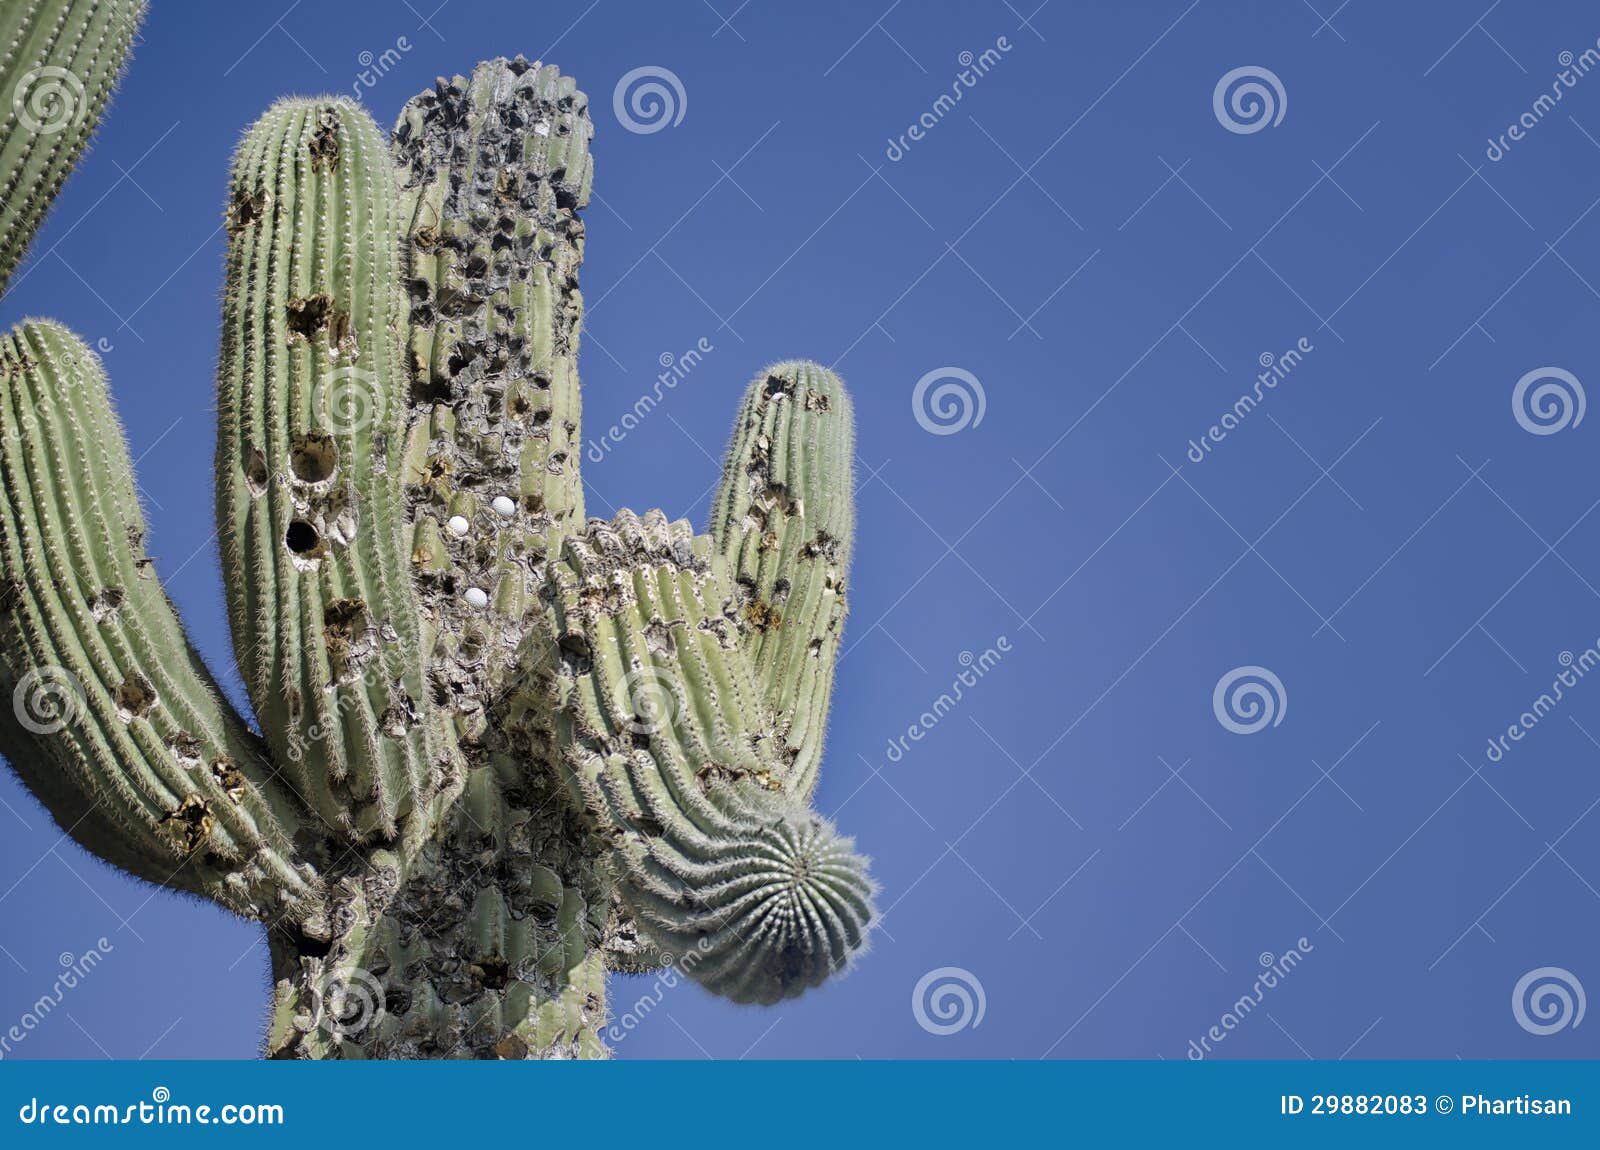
[[1108, 253]]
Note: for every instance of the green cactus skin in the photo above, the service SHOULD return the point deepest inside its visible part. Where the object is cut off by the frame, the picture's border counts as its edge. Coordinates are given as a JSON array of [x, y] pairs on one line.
[[669, 743], [503, 749], [59, 60], [311, 402], [784, 520], [152, 761]]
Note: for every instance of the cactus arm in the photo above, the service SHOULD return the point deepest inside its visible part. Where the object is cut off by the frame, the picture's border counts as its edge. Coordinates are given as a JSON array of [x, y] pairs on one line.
[[784, 520], [494, 170], [59, 60], [311, 393], [112, 718], [669, 746]]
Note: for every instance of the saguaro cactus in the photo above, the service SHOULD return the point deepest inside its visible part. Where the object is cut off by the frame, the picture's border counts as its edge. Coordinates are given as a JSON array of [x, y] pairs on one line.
[[500, 749]]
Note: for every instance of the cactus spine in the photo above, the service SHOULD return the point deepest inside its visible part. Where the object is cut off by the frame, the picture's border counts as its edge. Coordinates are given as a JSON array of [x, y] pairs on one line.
[[59, 60], [502, 749]]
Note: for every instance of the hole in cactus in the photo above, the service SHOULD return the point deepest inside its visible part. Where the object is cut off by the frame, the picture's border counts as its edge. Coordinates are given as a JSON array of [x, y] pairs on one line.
[[255, 471], [302, 539], [313, 458], [247, 207], [105, 604], [307, 315], [134, 697], [324, 146], [185, 747]]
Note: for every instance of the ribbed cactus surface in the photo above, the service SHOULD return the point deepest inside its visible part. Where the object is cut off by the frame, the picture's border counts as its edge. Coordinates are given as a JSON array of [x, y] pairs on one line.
[[497, 748], [59, 60]]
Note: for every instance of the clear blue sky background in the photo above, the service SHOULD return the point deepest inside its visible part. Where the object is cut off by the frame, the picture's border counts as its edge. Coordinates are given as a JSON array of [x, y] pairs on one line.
[[1081, 835]]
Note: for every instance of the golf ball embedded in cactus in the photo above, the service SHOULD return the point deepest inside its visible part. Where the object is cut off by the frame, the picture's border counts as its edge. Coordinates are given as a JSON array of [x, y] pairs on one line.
[[496, 748]]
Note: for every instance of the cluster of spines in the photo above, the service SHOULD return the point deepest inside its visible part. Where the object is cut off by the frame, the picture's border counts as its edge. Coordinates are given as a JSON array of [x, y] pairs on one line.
[[118, 726], [60, 59], [671, 747], [784, 520], [311, 406], [494, 169]]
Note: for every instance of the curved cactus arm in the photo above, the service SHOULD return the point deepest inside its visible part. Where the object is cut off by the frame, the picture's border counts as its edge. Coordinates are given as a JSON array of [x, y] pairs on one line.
[[667, 742], [311, 407], [109, 715], [59, 60], [783, 519], [494, 169]]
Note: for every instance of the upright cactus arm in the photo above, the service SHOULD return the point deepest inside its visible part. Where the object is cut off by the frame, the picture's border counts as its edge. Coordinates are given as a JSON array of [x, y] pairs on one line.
[[59, 60], [108, 714], [784, 520], [667, 742], [311, 409], [494, 170]]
